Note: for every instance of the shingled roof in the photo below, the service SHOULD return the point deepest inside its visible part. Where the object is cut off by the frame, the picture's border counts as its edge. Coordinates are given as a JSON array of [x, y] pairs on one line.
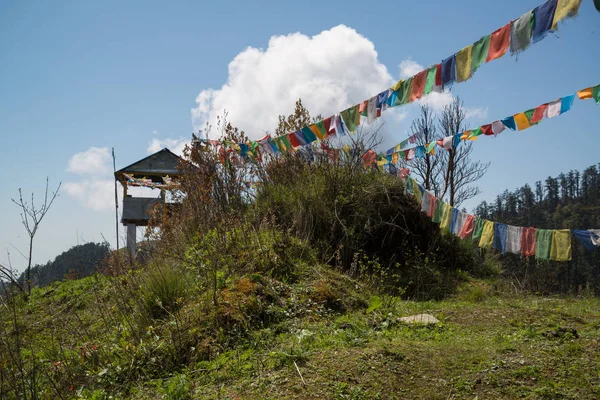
[[155, 166]]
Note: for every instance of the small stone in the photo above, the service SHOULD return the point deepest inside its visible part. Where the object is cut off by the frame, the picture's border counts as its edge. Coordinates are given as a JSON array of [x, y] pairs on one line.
[[426, 319]]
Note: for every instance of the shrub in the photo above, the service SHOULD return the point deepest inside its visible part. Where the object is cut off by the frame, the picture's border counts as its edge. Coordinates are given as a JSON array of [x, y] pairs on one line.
[[163, 291]]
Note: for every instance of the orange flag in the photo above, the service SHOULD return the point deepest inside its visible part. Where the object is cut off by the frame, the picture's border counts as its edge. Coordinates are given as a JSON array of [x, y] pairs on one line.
[[499, 43]]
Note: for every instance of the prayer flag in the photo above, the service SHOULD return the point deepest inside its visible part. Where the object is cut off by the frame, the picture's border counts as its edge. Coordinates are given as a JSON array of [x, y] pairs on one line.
[[543, 243], [487, 130], [315, 130], [464, 62], [284, 140], [372, 109], [510, 123], [566, 103], [432, 204], [474, 133], [449, 71], [565, 9], [418, 85], [522, 121], [391, 100], [497, 127], [322, 127], [500, 236], [478, 229], [438, 212], [369, 158], [297, 139], [553, 108], [420, 152], [465, 135], [454, 220], [585, 94], [513, 239], [487, 235], [595, 236], [438, 75], [561, 245], [309, 135], [431, 147], [538, 114], [480, 52], [529, 114], [430, 80], [426, 203], [351, 118], [528, 242], [460, 222], [543, 15], [467, 228], [446, 217], [404, 92], [447, 142], [520, 33], [456, 140], [499, 42], [362, 108], [596, 93], [585, 237], [340, 127]]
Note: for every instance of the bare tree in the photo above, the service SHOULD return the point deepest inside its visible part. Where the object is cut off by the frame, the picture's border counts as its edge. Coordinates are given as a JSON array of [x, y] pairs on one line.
[[460, 171], [31, 217], [428, 169]]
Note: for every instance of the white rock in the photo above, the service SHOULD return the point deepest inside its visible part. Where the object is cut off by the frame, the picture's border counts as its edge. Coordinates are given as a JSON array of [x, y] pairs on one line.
[[426, 319]]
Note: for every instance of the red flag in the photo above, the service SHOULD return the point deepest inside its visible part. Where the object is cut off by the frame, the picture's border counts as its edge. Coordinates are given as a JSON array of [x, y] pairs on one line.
[[538, 114]]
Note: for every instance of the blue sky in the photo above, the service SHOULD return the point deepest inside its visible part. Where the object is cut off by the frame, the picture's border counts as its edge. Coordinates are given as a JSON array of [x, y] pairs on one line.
[[80, 75]]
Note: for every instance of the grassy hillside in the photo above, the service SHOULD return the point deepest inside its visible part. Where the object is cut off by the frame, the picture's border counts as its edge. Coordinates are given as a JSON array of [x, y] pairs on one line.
[[325, 336]]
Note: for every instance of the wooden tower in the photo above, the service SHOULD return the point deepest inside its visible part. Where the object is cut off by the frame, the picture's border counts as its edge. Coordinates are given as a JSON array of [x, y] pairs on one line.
[[157, 171]]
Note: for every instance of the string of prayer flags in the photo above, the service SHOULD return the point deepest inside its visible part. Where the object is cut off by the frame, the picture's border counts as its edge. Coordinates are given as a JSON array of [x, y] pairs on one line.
[[517, 35], [544, 244], [459, 67], [519, 121]]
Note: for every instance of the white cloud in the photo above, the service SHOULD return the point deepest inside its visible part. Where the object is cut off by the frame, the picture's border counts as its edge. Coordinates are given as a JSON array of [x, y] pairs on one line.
[[437, 101], [409, 68], [330, 71], [175, 145], [94, 161], [476, 113], [97, 194]]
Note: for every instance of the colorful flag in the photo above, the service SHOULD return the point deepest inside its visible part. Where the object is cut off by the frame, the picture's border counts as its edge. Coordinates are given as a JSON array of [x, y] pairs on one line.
[[464, 62], [499, 42], [480, 52], [565, 9]]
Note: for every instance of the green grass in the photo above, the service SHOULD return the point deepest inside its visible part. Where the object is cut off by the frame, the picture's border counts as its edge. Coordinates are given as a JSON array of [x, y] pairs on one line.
[[492, 348], [488, 345]]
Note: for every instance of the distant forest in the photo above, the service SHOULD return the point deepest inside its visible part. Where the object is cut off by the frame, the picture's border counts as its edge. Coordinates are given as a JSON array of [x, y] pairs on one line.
[[77, 262], [569, 201]]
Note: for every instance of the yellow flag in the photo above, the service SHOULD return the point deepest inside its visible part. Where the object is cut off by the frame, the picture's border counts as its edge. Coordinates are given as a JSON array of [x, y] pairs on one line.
[[487, 236]]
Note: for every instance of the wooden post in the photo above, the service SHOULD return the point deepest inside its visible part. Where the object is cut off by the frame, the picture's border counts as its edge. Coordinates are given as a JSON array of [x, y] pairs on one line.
[[116, 200], [131, 231]]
